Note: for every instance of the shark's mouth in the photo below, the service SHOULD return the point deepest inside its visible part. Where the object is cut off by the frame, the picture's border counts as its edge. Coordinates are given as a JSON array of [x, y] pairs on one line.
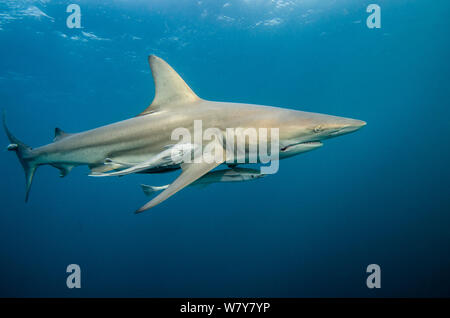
[[311, 144]]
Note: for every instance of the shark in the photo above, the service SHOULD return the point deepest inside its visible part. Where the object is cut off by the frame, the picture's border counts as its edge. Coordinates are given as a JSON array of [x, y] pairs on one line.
[[144, 143]]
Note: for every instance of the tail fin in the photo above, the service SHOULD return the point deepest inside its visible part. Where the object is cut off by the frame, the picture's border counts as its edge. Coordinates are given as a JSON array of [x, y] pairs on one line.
[[151, 190], [23, 153]]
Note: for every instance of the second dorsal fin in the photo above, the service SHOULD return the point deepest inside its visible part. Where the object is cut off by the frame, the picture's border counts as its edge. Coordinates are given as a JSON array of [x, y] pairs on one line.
[[170, 88], [60, 134]]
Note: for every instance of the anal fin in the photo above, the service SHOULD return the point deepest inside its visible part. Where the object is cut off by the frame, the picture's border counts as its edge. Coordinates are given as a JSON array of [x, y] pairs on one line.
[[64, 170]]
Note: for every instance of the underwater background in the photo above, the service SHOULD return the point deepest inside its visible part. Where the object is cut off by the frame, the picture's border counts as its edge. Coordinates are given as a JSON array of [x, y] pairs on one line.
[[377, 196]]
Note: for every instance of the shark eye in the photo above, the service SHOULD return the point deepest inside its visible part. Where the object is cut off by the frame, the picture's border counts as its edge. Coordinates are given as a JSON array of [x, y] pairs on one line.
[[318, 129]]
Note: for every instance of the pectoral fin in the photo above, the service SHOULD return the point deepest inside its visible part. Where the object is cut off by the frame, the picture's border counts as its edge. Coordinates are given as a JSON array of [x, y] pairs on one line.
[[191, 172]]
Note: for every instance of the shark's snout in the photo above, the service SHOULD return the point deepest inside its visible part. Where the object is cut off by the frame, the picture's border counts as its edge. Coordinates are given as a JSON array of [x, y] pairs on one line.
[[348, 126]]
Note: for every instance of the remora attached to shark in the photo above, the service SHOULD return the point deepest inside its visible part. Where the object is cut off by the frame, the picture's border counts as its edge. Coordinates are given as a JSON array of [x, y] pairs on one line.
[[222, 175], [143, 143]]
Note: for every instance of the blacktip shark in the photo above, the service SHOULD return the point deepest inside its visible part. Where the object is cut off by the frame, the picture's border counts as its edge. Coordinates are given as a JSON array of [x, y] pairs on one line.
[[143, 144], [234, 174]]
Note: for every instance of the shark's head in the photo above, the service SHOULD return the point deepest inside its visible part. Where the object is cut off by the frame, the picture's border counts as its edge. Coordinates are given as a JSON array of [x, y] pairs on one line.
[[304, 131]]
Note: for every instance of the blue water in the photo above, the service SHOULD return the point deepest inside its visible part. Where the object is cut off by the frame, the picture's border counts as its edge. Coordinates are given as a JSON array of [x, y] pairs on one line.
[[380, 195]]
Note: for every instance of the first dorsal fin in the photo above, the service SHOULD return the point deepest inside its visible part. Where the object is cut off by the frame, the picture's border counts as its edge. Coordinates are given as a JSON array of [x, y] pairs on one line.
[[60, 134], [170, 88]]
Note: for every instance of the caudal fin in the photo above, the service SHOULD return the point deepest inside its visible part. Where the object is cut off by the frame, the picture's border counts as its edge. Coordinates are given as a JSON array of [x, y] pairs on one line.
[[23, 152]]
